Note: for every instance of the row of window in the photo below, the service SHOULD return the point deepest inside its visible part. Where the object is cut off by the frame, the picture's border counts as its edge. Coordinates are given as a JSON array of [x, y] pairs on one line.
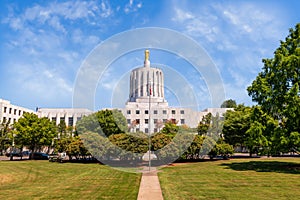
[[155, 121], [70, 120], [15, 111], [8, 120], [155, 112]]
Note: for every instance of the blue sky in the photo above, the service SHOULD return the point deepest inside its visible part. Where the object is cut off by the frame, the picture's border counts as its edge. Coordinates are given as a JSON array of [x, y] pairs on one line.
[[44, 43]]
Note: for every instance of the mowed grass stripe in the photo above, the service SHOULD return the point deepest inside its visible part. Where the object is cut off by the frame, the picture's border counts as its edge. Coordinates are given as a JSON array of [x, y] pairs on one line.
[[44, 180], [233, 179]]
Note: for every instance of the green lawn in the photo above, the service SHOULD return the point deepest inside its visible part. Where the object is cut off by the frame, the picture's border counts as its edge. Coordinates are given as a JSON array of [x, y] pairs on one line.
[[233, 179], [45, 180]]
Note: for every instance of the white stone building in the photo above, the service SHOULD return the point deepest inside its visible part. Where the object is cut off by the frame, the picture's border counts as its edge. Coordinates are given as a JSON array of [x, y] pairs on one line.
[[10, 112], [69, 115], [147, 101]]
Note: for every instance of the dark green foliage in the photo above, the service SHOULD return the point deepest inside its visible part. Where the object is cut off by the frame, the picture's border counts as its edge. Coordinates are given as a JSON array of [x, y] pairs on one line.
[[170, 128], [223, 149], [276, 89], [236, 124], [73, 146], [4, 136], [204, 124], [229, 104], [34, 132], [104, 122], [130, 142]]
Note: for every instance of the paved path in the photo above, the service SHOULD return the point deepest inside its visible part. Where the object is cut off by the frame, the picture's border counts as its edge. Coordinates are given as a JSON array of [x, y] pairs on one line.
[[149, 186]]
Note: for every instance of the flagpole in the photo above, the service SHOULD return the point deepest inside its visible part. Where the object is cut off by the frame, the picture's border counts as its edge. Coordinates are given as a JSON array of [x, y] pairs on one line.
[[149, 131]]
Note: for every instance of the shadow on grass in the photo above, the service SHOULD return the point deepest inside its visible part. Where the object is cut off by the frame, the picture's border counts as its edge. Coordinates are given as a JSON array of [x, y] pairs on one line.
[[265, 166]]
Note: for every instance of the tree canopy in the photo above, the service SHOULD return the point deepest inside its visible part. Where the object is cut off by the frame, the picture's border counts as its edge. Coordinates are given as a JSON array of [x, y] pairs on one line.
[[276, 89], [34, 132], [104, 122], [229, 104]]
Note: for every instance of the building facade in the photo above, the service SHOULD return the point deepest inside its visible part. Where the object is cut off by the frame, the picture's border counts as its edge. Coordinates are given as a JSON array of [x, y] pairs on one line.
[[11, 113], [147, 109], [69, 115]]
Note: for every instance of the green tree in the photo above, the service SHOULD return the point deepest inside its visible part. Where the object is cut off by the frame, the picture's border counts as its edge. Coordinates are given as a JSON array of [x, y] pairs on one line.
[[4, 135], [236, 124], [204, 124], [104, 122], [34, 132], [129, 142], [223, 149], [229, 104], [276, 89], [170, 128]]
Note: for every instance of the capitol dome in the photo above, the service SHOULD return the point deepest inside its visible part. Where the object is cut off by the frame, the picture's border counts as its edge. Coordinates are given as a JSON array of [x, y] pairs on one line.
[[146, 81]]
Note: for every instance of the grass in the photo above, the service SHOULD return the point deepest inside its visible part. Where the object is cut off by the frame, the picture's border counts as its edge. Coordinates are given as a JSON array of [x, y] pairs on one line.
[[45, 180], [233, 179]]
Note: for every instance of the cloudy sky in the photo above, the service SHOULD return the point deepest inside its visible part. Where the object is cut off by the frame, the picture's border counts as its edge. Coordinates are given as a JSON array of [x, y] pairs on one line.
[[44, 44]]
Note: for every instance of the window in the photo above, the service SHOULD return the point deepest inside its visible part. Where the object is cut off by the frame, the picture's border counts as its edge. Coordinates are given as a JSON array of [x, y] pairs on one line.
[[19, 112], [155, 121], [137, 121], [164, 112], [10, 110], [146, 112], [164, 120], [137, 129], [137, 112], [15, 111], [4, 119], [128, 121], [182, 121], [15, 120], [155, 130], [155, 112], [53, 119], [146, 121], [173, 112], [182, 112], [70, 121], [128, 112], [146, 130], [62, 119], [78, 118], [5, 108]]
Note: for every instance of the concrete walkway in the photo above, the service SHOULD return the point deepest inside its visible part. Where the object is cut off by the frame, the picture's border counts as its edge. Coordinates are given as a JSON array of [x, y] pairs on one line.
[[149, 186]]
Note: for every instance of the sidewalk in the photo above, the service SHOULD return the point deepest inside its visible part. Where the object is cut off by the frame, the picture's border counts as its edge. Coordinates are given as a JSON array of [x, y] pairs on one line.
[[150, 186]]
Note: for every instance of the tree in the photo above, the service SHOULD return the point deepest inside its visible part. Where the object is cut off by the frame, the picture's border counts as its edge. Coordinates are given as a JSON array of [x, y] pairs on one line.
[[236, 124], [170, 127], [204, 124], [229, 104], [223, 149], [34, 132], [104, 122], [276, 89], [4, 135]]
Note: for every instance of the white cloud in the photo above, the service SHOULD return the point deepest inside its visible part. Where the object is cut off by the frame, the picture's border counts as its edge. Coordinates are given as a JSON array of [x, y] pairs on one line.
[[132, 7], [181, 15], [236, 35]]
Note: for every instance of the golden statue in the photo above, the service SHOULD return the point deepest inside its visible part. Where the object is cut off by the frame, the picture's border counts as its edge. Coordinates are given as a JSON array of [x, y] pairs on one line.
[[147, 52]]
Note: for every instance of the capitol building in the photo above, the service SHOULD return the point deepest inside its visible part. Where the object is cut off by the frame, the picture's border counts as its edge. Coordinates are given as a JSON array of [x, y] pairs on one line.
[[146, 110]]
